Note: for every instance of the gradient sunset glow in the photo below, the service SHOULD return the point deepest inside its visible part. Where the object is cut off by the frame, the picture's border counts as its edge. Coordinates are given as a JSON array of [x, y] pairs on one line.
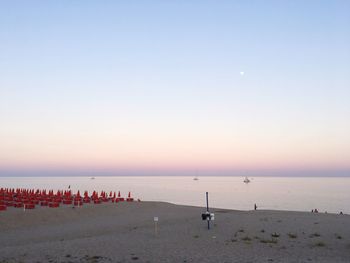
[[152, 87]]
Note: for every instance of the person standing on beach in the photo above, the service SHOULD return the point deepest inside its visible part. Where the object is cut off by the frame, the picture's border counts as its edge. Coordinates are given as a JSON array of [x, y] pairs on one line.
[[255, 207]]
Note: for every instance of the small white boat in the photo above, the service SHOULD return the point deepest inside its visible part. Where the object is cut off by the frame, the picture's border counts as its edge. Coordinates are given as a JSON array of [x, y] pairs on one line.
[[246, 180]]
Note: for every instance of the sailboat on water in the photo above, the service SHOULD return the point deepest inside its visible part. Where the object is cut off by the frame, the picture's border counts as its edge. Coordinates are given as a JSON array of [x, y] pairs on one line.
[[196, 177], [246, 180]]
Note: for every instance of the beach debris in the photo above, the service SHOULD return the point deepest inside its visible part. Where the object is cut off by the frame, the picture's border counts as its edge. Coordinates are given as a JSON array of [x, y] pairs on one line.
[[338, 236], [282, 247], [275, 235], [314, 235], [291, 235], [239, 231], [319, 244]]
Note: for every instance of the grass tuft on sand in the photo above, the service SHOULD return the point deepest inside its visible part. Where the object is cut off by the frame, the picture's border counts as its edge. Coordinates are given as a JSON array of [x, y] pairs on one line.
[[269, 241]]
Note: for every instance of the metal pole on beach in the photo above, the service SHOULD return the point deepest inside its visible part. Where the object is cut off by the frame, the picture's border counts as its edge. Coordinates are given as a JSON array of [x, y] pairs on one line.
[[208, 220]]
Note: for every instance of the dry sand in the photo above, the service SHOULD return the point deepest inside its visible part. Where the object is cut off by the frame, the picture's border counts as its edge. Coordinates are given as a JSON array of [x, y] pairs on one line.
[[125, 233]]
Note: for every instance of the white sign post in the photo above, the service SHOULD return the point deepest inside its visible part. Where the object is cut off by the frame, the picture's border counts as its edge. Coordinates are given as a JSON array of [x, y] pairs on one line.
[[155, 225]]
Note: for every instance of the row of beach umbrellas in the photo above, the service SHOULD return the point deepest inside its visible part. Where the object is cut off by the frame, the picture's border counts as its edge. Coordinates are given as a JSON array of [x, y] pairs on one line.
[[30, 198]]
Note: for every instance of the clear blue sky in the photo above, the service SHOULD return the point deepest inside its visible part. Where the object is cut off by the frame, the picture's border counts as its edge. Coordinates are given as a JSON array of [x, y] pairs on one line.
[[147, 87]]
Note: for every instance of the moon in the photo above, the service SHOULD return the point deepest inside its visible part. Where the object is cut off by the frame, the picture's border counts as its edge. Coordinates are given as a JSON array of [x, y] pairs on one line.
[[242, 73]]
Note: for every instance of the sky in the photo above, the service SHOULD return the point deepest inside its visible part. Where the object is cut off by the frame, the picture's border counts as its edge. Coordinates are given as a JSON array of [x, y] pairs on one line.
[[174, 88]]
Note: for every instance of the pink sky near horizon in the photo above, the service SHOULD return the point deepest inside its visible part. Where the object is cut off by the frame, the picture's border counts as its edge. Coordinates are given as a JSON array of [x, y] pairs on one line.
[[147, 149]]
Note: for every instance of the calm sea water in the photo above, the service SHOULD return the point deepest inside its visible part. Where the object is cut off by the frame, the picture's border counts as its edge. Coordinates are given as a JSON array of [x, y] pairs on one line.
[[302, 194]]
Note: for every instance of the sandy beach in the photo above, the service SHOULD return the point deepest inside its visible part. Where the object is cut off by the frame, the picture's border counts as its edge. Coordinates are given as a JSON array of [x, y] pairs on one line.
[[125, 232]]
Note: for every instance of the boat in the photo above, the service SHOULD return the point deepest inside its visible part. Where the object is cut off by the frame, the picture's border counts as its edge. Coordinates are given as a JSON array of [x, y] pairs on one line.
[[92, 178], [246, 180], [196, 179]]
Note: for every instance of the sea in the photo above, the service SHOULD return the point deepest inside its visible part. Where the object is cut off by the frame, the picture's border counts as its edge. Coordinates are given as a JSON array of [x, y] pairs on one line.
[[326, 194]]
